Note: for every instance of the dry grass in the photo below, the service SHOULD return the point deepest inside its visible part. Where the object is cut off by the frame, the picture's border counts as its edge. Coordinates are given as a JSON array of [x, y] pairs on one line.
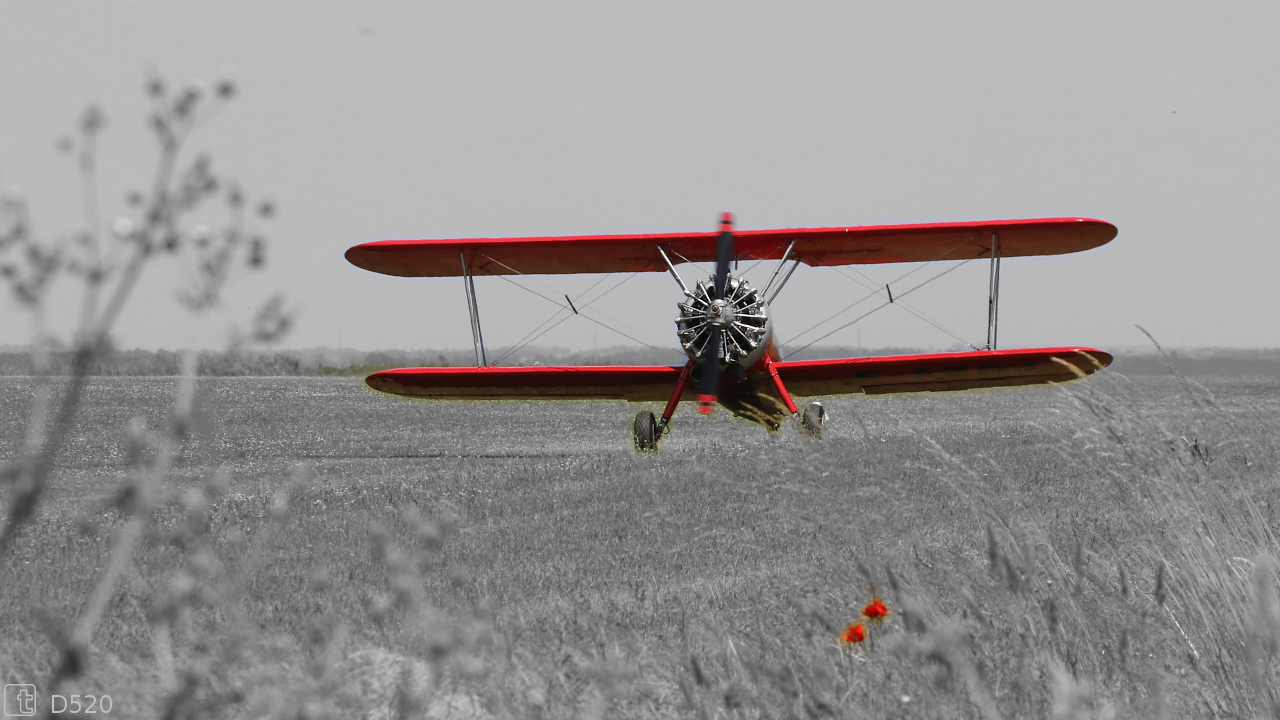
[[301, 547], [1101, 549]]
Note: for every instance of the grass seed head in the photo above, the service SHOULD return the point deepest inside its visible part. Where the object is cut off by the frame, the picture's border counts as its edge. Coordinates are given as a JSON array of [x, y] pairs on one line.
[[1077, 562], [893, 581], [1051, 614], [995, 559], [1012, 576], [695, 669]]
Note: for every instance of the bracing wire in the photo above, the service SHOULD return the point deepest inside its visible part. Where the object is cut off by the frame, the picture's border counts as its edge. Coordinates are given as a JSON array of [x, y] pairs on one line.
[[863, 315], [519, 345], [858, 302], [885, 305], [907, 306], [533, 278], [522, 344], [835, 315], [550, 300], [598, 323], [935, 324], [526, 340], [531, 337]]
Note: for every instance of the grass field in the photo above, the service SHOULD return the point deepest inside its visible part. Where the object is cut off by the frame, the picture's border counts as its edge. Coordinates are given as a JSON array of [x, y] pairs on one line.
[[1100, 549]]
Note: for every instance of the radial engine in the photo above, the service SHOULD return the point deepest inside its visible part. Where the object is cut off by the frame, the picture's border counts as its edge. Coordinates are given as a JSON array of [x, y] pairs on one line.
[[742, 317]]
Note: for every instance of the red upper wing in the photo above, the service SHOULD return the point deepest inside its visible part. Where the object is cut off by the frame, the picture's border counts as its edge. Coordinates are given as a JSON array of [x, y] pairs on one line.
[[814, 246], [939, 372]]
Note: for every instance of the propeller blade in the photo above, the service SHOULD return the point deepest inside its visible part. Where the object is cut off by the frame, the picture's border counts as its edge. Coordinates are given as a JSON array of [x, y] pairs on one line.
[[709, 383], [709, 378], [724, 255]]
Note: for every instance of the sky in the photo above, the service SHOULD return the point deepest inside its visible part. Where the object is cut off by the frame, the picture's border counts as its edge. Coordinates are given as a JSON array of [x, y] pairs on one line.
[[377, 120]]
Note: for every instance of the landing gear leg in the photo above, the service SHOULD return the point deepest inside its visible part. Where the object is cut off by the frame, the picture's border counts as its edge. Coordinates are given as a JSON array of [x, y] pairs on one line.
[[647, 433], [811, 421], [674, 401], [782, 389]]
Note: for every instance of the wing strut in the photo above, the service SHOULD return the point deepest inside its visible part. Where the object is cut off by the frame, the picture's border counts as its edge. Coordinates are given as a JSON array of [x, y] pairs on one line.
[[675, 274], [993, 293], [477, 338], [781, 263], [785, 278]]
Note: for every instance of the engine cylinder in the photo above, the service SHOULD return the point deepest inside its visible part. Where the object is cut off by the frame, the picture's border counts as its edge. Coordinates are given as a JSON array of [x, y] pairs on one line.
[[742, 316]]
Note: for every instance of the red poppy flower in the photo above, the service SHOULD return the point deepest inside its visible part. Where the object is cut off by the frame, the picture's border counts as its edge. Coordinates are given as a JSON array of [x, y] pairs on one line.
[[875, 611], [854, 634]]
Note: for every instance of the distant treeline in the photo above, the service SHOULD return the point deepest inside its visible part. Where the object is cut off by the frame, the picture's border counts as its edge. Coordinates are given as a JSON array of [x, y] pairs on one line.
[[1207, 361], [160, 362], [331, 361], [322, 361]]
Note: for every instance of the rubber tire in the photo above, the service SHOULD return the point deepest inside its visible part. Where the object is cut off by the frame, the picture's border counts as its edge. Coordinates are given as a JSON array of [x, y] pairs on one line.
[[644, 432], [813, 420]]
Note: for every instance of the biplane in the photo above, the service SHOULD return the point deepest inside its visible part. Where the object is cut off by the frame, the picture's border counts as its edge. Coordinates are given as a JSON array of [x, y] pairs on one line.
[[723, 323]]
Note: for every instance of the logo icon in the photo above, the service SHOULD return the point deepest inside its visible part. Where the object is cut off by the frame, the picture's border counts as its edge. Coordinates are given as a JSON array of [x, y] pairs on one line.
[[19, 700]]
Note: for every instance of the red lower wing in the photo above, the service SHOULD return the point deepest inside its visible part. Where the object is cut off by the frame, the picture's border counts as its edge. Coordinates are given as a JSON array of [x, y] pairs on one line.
[[939, 372], [806, 378], [628, 382]]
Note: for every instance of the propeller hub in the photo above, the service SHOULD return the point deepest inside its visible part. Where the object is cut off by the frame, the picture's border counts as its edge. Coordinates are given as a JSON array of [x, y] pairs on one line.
[[720, 313]]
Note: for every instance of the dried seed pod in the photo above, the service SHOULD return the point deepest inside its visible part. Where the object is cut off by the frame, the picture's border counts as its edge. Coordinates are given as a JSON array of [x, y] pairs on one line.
[[225, 89], [155, 86]]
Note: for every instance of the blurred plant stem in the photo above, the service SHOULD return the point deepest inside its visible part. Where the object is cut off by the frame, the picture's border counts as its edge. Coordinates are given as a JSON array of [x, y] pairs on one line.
[[163, 221]]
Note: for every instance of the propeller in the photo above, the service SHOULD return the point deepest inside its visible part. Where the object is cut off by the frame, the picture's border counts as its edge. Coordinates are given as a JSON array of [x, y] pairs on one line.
[[709, 378]]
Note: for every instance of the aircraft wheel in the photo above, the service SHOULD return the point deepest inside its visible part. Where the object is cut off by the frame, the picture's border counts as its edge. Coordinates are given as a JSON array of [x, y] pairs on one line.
[[813, 419], [645, 432]]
